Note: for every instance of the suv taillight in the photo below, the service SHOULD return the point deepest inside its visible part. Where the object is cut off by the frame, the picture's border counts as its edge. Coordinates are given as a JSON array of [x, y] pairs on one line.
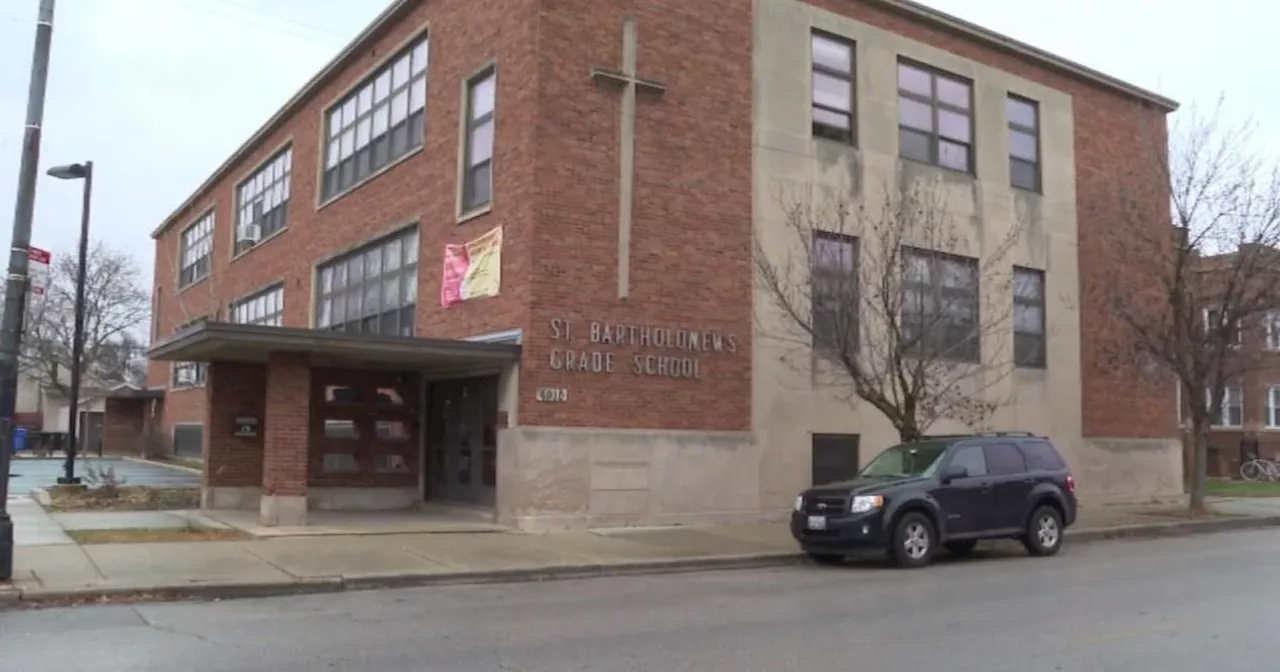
[[1071, 484]]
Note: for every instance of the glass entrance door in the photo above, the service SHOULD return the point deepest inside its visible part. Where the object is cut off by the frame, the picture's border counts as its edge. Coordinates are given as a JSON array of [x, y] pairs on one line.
[[462, 440]]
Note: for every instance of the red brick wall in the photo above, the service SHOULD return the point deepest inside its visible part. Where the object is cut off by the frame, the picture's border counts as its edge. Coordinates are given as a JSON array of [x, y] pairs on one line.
[[284, 461], [123, 426], [692, 218], [234, 390]]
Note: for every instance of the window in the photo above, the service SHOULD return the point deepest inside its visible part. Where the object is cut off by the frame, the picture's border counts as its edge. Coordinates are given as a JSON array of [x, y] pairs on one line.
[[262, 200], [935, 120], [1232, 413], [391, 430], [1004, 459], [373, 290], [1273, 329], [1215, 324], [340, 429], [189, 374], [833, 88], [970, 457], [477, 180], [1024, 142], [940, 306], [188, 440], [379, 122], [197, 249], [1028, 318], [1041, 456], [266, 308], [1273, 407], [834, 293], [339, 462], [835, 458]]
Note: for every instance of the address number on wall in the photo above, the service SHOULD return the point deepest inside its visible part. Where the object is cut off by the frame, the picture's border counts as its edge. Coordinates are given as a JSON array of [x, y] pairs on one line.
[[555, 395]]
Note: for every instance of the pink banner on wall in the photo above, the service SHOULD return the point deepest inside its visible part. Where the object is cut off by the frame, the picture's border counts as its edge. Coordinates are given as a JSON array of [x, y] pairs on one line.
[[472, 270]]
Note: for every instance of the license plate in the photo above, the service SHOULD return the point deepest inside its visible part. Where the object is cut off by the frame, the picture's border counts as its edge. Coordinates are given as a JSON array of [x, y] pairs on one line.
[[817, 522]]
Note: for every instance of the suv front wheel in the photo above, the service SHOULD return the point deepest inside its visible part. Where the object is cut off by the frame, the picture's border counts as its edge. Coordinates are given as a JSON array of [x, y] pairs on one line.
[[1044, 532], [913, 541]]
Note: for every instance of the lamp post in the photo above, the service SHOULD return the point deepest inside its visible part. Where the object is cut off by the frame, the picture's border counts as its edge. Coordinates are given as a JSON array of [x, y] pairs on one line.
[[76, 171], [15, 287]]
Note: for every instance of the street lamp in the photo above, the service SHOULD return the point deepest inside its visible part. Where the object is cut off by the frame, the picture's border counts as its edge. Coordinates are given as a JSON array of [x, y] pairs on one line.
[[76, 171]]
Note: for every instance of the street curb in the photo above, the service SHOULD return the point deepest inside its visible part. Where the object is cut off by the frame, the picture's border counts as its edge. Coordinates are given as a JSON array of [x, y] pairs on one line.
[[14, 597], [167, 465]]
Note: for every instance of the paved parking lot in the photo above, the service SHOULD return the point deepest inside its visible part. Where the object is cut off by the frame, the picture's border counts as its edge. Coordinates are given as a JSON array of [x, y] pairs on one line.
[[28, 474]]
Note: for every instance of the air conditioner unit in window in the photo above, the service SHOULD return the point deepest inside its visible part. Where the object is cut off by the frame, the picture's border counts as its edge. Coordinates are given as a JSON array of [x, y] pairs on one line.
[[248, 233], [186, 376]]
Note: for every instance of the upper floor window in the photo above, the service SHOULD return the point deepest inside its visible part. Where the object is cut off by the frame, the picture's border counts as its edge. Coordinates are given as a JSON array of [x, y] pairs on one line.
[[197, 249], [1232, 412], [373, 290], [1028, 318], [834, 290], [1024, 143], [1273, 329], [833, 87], [940, 306], [1273, 407], [477, 180], [265, 308], [935, 117], [380, 121], [262, 201], [1214, 324]]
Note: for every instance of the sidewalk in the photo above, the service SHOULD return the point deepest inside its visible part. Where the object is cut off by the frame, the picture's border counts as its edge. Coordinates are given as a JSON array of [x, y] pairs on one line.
[[51, 566]]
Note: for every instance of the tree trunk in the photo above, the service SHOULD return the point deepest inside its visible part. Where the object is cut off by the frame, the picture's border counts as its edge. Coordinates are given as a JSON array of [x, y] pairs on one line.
[[1199, 466]]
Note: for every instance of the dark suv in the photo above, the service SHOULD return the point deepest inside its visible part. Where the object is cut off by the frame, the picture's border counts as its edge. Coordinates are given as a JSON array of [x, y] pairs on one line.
[[948, 490]]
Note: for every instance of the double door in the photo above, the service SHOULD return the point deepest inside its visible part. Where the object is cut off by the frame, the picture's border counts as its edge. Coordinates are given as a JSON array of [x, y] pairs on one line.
[[462, 440]]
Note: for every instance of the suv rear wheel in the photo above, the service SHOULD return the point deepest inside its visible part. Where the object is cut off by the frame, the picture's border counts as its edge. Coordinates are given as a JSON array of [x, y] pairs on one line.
[[913, 541], [1044, 532]]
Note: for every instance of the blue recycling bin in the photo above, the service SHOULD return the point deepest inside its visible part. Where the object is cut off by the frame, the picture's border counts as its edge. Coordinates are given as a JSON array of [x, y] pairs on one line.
[[19, 439]]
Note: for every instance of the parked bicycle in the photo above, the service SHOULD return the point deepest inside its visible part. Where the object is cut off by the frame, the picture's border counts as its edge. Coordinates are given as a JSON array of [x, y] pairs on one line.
[[1260, 469]]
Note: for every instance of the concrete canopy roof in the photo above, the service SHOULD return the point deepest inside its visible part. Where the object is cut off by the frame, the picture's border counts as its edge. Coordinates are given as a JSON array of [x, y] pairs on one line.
[[221, 341]]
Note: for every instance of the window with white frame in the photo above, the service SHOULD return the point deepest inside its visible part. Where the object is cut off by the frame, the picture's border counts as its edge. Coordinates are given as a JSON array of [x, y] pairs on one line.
[[262, 201], [1215, 323], [1273, 329], [1232, 412], [197, 249], [373, 290], [265, 308], [380, 121], [189, 374], [1273, 407], [477, 180]]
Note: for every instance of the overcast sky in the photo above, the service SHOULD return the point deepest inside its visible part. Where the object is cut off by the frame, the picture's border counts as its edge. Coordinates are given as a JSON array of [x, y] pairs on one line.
[[159, 92]]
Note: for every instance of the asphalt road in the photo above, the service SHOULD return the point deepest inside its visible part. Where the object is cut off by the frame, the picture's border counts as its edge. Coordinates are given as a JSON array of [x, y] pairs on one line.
[[1189, 604], [27, 474]]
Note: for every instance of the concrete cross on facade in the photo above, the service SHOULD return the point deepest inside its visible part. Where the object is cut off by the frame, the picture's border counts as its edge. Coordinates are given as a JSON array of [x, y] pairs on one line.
[[630, 83]]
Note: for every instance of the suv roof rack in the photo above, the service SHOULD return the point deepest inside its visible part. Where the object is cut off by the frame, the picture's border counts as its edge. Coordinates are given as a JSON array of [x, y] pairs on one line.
[[978, 435]]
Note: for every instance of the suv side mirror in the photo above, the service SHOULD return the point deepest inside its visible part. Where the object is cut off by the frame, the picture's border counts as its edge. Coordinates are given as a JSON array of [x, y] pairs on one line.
[[954, 472]]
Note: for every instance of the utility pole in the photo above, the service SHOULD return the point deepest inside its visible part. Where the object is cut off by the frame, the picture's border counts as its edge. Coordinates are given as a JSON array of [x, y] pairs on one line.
[[15, 288]]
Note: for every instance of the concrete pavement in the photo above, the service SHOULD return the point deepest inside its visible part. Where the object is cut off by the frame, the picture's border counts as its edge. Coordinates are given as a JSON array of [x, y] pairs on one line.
[[55, 568], [1183, 604]]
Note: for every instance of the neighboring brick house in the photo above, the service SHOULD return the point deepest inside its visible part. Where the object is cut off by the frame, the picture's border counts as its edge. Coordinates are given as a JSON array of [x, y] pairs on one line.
[[624, 151]]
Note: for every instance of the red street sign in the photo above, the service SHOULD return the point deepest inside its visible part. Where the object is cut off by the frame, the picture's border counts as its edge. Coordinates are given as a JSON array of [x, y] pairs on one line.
[[38, 255]]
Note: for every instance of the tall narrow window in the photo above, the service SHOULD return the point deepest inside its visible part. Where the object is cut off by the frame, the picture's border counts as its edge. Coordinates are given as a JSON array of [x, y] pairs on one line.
[[834, 293], [1215, 326], [833, 88], [935, 117], [1232, 412], [477, 180], [380, 121], [262, 201], [940, 306], [197, 249], [265, 308], [1273, 329], [373, 290], [1024, 143], [1273, 407], [1028, 318]]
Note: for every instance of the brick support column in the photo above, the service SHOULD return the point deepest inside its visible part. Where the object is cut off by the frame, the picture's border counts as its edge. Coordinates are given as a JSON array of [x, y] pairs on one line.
[[232, 464], [284, 461]]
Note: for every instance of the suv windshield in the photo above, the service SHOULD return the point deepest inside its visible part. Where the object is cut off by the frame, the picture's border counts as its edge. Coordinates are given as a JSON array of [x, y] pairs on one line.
[[906, 459]]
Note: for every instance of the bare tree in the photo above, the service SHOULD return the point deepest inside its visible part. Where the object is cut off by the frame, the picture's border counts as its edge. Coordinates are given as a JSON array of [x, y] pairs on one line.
[[115, 303], [1211, 275], [880, 301]]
